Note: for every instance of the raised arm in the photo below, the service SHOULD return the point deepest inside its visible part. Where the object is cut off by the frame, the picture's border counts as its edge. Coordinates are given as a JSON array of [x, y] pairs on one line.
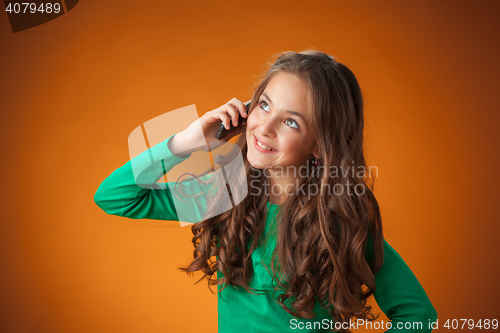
[[132, 190], [400, 295], [120, 195]]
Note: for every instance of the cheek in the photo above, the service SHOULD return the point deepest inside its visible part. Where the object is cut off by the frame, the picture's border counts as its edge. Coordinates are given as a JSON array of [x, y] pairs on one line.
[[292, 146], [252, 121]]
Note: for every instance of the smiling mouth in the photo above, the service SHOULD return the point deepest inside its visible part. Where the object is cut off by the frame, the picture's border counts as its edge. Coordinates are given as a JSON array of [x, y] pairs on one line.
[[261, 145]]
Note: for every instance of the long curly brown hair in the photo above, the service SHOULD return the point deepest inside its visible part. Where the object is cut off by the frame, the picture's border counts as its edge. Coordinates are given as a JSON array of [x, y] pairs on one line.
[[321, 239]]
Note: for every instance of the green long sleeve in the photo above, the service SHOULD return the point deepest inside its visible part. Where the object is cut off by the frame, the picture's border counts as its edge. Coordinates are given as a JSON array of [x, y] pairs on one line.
[[400, 295], [119, 194]]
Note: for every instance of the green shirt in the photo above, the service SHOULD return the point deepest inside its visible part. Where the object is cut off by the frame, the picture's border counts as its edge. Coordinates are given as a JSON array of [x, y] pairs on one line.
[[399, 294]]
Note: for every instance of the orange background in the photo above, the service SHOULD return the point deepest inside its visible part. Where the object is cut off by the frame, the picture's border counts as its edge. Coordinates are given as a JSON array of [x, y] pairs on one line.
[[72, 90]]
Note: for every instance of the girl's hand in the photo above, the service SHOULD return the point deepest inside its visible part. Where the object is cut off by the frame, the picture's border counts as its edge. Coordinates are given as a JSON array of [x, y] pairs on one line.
[[203, 130]]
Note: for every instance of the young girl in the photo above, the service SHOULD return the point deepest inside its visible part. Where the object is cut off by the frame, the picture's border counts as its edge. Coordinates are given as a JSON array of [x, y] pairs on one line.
[[304, 249]]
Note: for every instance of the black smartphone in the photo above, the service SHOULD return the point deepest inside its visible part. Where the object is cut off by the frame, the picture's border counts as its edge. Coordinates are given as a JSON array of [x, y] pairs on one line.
[[223, 131]]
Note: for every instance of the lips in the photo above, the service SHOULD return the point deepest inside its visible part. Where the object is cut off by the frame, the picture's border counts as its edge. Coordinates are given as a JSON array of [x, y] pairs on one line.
[[263, 143]]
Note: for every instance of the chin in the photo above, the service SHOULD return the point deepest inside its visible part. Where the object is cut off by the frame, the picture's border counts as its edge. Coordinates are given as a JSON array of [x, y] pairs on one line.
[[255, 164]]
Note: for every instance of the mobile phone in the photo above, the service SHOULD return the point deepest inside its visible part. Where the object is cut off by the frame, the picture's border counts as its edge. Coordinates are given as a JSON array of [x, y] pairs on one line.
[[223, 131]]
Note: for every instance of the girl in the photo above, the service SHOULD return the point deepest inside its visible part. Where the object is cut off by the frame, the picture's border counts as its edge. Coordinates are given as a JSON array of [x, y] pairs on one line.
[[304, 249]]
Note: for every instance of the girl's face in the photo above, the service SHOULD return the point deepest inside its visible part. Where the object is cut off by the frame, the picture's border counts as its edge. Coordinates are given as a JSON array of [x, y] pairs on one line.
[[282, 122]]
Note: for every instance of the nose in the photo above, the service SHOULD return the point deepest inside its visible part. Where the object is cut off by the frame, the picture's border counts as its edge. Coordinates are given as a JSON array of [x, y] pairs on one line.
[[267, 127]]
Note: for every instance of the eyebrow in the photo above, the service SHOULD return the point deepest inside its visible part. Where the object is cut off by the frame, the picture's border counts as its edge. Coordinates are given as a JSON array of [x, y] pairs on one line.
[[292, 112]]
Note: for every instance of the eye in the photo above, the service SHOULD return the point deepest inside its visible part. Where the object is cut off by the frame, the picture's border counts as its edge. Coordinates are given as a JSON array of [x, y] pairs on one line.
[[295, 124], [261, 103], [289, 121]]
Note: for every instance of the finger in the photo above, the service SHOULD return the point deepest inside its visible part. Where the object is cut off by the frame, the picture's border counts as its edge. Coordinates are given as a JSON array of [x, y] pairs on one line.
[[242, 109], [222, 116], [233, 111]]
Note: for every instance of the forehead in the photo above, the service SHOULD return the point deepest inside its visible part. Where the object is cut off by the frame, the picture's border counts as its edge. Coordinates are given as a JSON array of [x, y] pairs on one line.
[[288, 92]]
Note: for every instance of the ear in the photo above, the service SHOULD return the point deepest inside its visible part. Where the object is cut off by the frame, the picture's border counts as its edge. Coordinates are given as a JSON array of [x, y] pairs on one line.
[[316, 150]]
